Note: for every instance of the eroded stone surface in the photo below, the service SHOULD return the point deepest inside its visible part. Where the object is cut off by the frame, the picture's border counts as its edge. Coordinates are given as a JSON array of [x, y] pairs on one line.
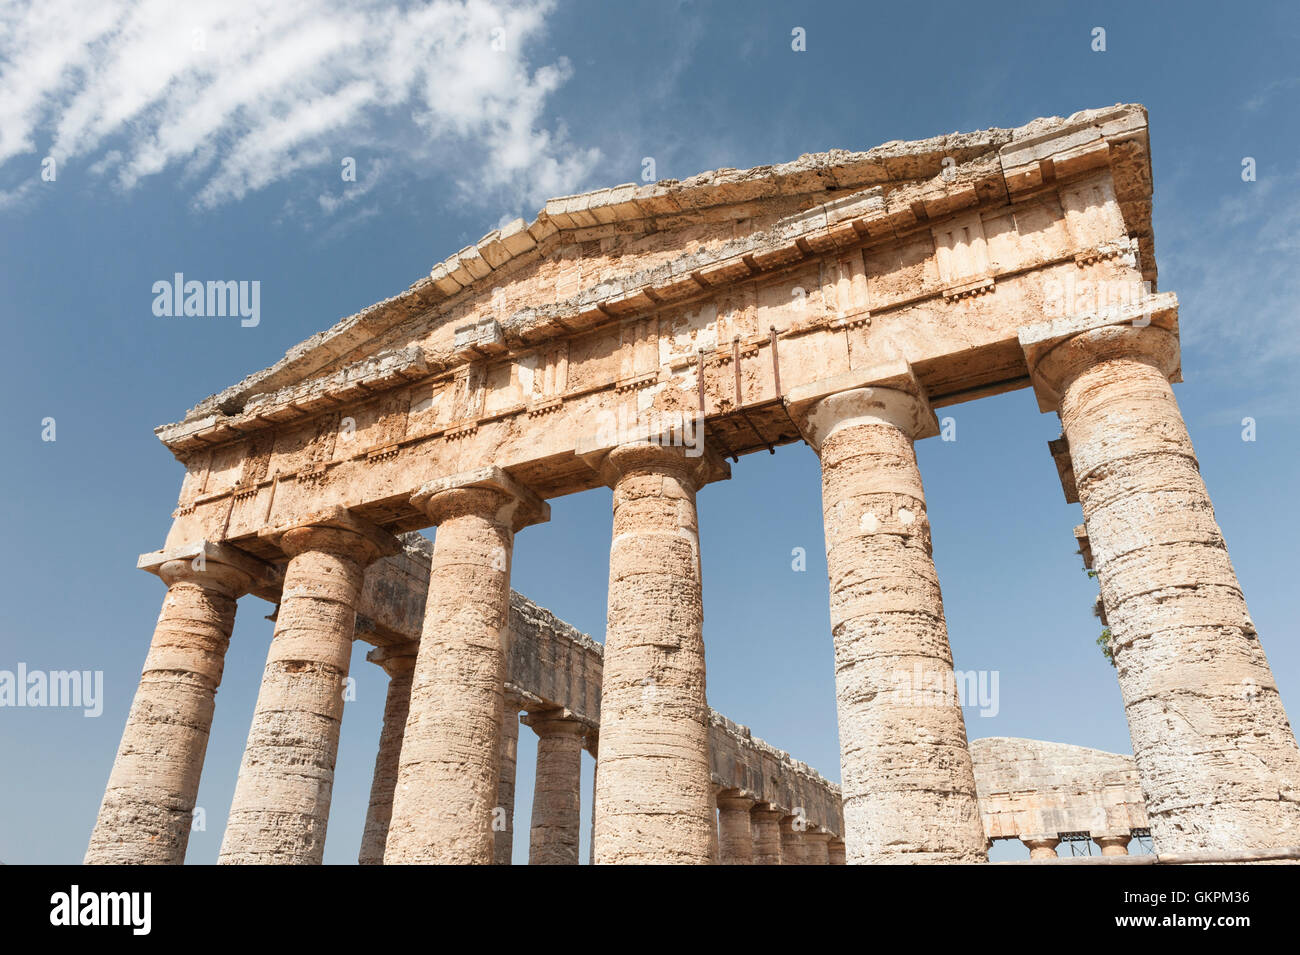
[[553, 837], [1218, 759], [399, 664], [282, 796], [654, 788], [148, 806], [1029, 786], [504, 844], [735, 834], [451, 757], [909, 789]]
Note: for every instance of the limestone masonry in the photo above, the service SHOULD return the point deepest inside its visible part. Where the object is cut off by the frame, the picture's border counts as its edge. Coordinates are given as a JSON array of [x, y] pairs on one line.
[[638, 337]]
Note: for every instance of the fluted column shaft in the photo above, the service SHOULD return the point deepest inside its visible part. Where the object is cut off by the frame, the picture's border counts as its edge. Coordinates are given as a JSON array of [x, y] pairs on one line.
[[735, 834], [148, 806], [1215, 752], [835, 852], [908, 780], [766, 826], [449, 776], [554, 835], [1041, 847], [793, 851], [280, 809], [653, 795], [816, 847], [1113, 844], [504, 842], [399, 664]]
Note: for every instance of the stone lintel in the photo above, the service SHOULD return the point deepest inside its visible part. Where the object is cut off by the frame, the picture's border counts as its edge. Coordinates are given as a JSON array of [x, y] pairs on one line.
[[1160, 310], [528, 507], [384, 543], [267, 579], [894, 375]]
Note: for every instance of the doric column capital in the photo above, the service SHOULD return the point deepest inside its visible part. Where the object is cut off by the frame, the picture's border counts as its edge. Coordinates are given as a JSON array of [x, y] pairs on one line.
[[818, 835], [700, 466], [222, 568], [396, 659], [484, 492], [735, 800], [888, 393], [1041, 846], [1113, 843], [334, 530], [1056, 352], [555, 722]]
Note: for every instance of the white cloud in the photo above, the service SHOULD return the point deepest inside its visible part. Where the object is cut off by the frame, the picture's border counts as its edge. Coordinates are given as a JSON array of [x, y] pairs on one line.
[[236, 95], [1234, 270]]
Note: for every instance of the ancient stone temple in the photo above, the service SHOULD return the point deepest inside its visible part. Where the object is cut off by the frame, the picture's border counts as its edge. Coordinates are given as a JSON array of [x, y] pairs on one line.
[[643, 338]]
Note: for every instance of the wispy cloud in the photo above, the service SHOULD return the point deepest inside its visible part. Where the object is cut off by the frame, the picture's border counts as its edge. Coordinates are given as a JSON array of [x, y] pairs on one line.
[[1234, 269], [236, 95]]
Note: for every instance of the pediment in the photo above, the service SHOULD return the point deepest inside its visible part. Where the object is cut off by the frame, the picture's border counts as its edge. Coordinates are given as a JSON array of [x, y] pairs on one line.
[[615, 254]]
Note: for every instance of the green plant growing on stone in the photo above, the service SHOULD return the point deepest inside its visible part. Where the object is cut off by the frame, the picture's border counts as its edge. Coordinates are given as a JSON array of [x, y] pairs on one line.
[[1104, 639]]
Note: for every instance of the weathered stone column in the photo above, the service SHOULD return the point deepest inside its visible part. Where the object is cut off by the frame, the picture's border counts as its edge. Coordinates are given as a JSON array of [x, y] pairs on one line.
[[281, 804], [653, 790], [1041, 847], [146, 812], [1113, 843], [450, 769], [503, 847], [593, 747], [835, 852], [735, 834], [714, 851], [908, 781], [557, 790], [816, 847], [1215, 752], [765, 822], [793, 851], [399, 663]]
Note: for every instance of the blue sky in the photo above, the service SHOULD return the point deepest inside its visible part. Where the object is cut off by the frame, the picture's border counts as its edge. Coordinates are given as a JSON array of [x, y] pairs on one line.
[[213, 146]]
